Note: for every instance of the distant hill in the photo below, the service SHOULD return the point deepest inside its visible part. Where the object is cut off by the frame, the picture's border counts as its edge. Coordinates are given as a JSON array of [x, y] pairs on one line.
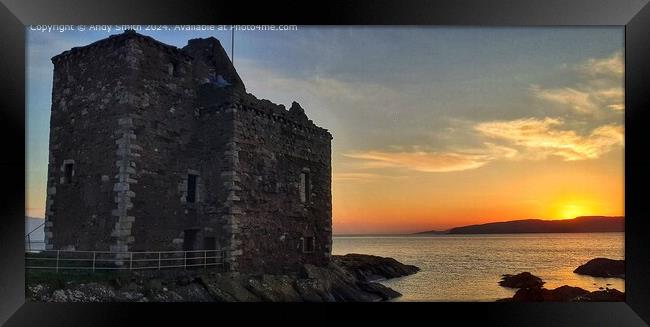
[[586, 224]]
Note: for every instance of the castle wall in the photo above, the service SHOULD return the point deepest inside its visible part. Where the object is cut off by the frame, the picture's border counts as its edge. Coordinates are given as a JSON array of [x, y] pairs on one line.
[[162, 118], [274, 149], [173, 140], [86, 107]]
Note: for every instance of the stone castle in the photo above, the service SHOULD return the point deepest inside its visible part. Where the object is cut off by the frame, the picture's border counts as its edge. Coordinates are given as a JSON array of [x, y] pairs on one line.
[[156, 148]]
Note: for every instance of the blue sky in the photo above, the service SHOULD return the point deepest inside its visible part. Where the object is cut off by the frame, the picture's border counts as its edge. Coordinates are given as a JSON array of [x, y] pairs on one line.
[[384, 91]]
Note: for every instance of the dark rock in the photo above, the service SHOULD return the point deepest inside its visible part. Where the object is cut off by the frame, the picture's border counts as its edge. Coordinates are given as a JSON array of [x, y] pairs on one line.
[[384, 292], [521, 280], [133, 286], [535, 293], [37, 292], [194, 292], [283, 286], [127, 296], [169, 296], [91, 292], [311, 290], [565, 294], [154, 284], [608, 295], [228, 288], [561, 294], [184, 280], [371, 268], [340, 284], [602, 267]]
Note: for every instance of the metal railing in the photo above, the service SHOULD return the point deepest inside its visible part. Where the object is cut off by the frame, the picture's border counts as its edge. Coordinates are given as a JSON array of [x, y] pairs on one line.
[[28, 239], [105, 260]]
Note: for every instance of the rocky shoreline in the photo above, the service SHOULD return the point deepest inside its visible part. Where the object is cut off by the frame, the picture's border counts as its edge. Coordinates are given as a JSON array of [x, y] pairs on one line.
[[350, 277], [530, 286]]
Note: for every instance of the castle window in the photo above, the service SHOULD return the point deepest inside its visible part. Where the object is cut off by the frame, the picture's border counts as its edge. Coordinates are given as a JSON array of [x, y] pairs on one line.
[[170, 69], [68, 172], [191, 188], [305, 187], [308, 244]]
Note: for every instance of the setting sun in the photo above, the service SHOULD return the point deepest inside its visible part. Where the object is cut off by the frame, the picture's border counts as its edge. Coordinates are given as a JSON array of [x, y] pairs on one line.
[[570, 211]]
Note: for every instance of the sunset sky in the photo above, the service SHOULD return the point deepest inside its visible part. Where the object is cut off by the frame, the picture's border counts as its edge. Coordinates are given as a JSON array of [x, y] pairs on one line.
[[434, 127]]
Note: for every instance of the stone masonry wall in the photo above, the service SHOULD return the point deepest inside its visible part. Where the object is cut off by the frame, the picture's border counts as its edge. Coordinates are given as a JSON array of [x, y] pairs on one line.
[[172, 140], [88, 100], [274, 147], [162, 118]]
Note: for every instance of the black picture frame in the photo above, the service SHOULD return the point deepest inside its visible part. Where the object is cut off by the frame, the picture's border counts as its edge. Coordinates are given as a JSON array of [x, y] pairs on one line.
[[633, 14]]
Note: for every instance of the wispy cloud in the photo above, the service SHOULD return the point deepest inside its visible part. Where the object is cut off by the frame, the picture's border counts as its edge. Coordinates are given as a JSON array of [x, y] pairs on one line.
[[609, 66], [580, 101], [419, 161], [583, 100], [431, 161], [601, 89], [540, 138], [520, 139]]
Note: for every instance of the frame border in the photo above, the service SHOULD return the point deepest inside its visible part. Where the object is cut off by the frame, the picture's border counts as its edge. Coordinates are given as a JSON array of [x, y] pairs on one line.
[[633, 14]]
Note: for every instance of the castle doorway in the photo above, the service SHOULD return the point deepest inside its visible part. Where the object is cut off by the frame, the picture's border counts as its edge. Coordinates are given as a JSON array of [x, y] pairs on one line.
[[189, 244], [210, 247], [189, 241]]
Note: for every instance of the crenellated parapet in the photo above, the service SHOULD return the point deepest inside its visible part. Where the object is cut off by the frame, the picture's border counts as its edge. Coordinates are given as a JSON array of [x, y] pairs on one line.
[[114, 41]]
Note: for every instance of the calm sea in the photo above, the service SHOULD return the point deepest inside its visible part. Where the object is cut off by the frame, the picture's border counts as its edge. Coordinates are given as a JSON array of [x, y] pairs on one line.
[[469, 267]]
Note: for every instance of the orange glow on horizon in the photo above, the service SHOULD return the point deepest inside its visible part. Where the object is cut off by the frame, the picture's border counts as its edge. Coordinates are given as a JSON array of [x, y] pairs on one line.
[[421, 201]]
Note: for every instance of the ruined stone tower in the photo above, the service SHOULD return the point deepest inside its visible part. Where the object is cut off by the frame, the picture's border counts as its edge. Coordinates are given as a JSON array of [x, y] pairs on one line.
[[156, 148]]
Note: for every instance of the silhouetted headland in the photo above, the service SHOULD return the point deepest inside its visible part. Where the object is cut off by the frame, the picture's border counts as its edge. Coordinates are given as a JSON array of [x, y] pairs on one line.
[[586, 224]]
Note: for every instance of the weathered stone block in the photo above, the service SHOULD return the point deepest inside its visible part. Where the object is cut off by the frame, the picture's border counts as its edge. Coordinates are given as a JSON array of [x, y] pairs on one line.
[[120, 187]]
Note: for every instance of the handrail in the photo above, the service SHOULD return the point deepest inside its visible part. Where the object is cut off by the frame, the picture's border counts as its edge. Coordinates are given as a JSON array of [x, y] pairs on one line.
[[35, 228], [126, 252], [28, 238], [65, 260]]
